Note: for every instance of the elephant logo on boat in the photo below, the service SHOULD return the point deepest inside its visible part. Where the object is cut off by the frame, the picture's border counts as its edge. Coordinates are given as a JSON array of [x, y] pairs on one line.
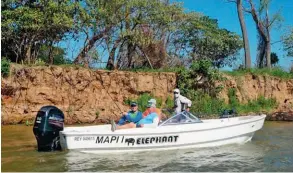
[[130, 141]]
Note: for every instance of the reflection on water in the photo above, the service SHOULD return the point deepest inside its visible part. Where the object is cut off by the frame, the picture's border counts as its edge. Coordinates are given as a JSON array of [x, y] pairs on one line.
[[269, 150], [229, 158]]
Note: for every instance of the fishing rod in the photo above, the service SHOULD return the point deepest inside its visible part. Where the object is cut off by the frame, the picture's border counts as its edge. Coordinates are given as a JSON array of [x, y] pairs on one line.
[[102, 82]]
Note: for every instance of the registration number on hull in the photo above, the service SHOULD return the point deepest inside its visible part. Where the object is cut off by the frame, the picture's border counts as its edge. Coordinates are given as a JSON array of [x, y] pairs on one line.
[[128, 140]]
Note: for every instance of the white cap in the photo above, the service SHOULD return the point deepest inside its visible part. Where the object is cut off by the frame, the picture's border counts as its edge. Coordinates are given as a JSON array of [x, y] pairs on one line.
[[176, 90], [152, 103]]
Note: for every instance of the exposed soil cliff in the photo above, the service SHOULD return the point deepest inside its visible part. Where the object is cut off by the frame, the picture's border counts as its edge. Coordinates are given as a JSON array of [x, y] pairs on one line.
[[87, 96], [250, 87]]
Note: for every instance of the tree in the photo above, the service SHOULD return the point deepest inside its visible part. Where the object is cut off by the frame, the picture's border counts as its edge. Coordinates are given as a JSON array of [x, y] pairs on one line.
[[244, 32], [96, 19], [127, 29], [57, 54], [274, 58], [199, 37], [263, 24], [26, 25]]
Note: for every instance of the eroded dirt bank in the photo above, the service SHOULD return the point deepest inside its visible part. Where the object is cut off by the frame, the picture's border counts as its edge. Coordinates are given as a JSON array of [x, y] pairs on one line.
[[87, 96]]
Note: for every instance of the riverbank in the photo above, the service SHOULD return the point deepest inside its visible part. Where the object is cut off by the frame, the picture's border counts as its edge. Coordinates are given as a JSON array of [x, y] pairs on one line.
[[96, 96]]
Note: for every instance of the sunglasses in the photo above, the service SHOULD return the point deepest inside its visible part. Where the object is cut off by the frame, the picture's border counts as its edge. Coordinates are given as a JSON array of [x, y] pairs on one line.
[[175, 92]]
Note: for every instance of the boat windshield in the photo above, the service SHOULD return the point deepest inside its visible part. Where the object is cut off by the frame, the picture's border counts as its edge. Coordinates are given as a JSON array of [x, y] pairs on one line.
[[181, 118]]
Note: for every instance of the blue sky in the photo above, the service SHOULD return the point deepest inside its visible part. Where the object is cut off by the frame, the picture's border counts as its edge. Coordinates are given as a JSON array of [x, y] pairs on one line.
[[226, 14]]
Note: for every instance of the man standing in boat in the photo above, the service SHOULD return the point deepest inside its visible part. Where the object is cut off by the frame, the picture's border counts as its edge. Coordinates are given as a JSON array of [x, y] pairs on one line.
[[129, 118], [181, 103]]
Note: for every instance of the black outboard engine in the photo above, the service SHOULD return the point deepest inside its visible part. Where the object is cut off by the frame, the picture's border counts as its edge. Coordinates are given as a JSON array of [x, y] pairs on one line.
[[48, 123], [229, 113]]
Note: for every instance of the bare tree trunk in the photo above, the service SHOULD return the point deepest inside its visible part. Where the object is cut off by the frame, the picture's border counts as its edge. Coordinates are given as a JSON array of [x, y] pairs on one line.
[[137, 48], [263, 31], [111, 59], [50, 56], [34, 52], [268, 46], [261, 55], [80, 57], [28, 54], [268, 55], [121, 55], [244, 34], [130, 53]]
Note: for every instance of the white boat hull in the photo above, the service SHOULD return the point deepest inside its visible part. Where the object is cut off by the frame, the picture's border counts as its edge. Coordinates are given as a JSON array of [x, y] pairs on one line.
[[210, 133]]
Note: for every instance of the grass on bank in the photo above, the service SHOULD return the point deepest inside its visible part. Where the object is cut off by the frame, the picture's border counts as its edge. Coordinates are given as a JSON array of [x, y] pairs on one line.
[[209, 106], [276, 72]]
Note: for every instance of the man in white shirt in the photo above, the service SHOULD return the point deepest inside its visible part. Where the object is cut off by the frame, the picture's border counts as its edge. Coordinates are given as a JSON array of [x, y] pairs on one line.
[[181, 103]]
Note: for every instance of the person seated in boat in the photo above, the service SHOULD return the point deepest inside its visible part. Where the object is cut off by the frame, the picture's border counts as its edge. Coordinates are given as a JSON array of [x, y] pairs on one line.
[[181, 103], [129, 118], [152, 115]]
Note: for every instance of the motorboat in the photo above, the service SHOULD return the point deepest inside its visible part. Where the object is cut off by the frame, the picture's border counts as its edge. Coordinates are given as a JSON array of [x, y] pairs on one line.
[[180, 131]]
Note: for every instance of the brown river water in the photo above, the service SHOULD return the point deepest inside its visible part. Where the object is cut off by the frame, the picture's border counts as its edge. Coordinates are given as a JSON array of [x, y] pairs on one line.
[[270, 150]]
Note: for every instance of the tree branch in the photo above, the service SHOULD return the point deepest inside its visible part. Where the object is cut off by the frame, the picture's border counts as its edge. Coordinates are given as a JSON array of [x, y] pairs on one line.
[[276, 42], [140, 50], [259, 24], [275, 17], [245, 9], [90, 44]]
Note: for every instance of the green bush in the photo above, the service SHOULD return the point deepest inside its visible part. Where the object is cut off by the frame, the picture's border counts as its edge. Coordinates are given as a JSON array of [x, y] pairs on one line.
[[203, 103], [97, 114], [40, 62], [205, 69], [142, 101], [258, 105], [233, 101], [5, 67], [204, 96], [169, 102]]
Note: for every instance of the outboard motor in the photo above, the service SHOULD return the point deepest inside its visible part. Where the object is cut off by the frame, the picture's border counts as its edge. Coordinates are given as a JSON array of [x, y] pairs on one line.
[[48, 123], [229, 113]]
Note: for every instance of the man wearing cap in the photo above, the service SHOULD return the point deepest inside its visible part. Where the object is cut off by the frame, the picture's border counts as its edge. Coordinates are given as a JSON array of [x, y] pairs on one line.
[[128, 119], [181, 103], [151, 115], [151, 107]]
